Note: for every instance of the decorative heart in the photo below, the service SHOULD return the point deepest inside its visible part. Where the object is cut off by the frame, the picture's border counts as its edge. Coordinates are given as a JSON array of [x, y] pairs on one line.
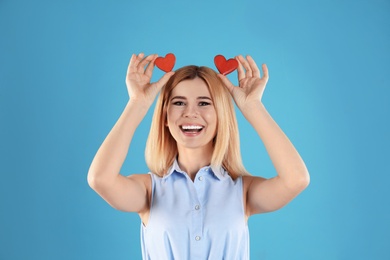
[[166, 63], [225, 66]]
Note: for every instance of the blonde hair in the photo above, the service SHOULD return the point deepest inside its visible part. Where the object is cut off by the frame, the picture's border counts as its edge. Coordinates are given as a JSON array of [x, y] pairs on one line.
[[161, 148]]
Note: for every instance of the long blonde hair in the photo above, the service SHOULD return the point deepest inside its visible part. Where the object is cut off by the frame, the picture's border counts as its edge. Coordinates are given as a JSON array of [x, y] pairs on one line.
[[161, 147]]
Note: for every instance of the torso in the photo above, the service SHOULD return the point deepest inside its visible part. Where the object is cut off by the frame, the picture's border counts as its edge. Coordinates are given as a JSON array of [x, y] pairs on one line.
[[144, 214], [199, 219]]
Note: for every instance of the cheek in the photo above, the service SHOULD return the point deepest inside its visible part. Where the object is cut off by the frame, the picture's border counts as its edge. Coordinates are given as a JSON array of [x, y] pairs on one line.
[[170, 115], [171, 118], [211, 117]]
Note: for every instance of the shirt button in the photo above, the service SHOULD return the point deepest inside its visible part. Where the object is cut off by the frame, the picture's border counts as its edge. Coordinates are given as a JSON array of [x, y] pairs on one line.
[[197, 207], [200, 178], [197, 238]]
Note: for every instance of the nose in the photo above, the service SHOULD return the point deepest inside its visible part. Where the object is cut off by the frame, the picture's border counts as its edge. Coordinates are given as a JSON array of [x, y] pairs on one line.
[[190, 111]]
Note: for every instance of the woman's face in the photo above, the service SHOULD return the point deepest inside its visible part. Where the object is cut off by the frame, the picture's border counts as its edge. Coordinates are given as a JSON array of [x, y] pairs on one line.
[[191, 116]]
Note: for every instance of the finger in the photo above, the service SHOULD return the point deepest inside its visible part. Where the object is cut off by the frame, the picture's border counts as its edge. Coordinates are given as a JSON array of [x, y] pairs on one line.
[[228, 84], [131, 67], [164, 79], [265, 72], [139, 57], [240, 70], [252, 64], [150, 67], [246, 66], [142, 64]]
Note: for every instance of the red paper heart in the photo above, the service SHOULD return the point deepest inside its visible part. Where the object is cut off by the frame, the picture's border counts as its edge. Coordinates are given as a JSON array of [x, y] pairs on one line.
[[166, 64], [225, 66]]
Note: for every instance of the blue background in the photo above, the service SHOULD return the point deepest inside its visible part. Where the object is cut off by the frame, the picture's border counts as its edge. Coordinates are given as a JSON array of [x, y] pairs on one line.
[[62, 88]]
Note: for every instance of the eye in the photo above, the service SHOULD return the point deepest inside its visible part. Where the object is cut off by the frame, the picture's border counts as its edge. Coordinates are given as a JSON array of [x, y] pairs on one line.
[[178, 103], [203, 103]]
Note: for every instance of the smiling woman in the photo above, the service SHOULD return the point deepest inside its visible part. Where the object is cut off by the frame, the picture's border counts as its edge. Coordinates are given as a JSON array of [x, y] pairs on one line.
[[197, 198], [194, 96], [191, 118]]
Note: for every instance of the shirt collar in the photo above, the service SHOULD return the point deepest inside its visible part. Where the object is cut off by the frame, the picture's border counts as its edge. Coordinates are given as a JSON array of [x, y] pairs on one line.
[[218, 172]]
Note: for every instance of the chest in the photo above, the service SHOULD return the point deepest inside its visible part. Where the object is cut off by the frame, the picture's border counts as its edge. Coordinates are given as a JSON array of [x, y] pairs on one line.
[[203, 219], [206, 204]]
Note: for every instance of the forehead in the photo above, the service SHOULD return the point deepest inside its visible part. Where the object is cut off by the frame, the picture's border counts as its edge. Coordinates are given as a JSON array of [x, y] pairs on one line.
[[191, 88]]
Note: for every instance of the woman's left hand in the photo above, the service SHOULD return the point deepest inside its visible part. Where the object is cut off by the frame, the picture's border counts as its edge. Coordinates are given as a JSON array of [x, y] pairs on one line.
[[251, 84]]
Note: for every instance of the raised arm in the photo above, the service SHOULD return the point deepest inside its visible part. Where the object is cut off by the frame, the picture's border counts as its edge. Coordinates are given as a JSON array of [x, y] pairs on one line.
[[126, 193], [264, 195]]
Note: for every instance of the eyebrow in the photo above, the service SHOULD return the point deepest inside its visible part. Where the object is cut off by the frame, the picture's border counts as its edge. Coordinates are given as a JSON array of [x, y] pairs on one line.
[[182, 97]]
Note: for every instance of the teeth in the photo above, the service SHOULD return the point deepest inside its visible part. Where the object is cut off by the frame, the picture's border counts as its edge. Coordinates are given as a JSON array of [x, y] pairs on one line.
[[191, 127]]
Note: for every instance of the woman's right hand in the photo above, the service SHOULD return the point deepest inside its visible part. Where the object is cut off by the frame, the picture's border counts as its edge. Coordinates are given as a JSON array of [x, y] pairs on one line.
[[138, 78]]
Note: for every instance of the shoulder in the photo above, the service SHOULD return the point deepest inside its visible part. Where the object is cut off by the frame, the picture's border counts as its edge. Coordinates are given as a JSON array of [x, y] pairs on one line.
[[249, 180], [249, 183], [144, 179], [139, 176]]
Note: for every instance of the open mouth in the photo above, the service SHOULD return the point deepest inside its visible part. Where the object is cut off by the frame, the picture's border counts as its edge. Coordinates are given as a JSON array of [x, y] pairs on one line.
[[191, 128]]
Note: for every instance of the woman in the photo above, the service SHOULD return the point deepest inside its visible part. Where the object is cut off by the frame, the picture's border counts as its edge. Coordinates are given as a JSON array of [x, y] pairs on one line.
[[196, 202]]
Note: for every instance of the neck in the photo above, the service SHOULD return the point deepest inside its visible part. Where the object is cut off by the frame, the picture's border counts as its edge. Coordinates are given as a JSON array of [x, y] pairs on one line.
[[191, 160]]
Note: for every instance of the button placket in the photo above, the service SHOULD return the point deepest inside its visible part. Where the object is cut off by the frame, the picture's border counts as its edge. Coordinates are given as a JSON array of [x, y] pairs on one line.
[[198, 221], [197, 206]]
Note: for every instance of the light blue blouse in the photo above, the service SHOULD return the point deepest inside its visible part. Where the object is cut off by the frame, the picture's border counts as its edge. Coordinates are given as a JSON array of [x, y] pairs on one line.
[[203, 219]]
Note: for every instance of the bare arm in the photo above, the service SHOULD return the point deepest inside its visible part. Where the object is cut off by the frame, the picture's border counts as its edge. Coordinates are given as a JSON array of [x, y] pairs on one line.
[[126, 193], [292, 175], [264, 195]]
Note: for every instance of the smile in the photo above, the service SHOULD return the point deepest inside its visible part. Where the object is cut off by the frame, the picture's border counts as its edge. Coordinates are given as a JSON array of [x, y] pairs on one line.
[[191, 128]]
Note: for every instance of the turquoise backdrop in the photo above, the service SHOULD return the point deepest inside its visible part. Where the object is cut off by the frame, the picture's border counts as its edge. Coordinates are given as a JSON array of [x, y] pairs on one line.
[[62, 88]]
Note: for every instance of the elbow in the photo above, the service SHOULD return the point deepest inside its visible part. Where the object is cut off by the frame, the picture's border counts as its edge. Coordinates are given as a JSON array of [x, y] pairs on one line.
[[94, 180], [100, 181], [299, 182], [303, 181]]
